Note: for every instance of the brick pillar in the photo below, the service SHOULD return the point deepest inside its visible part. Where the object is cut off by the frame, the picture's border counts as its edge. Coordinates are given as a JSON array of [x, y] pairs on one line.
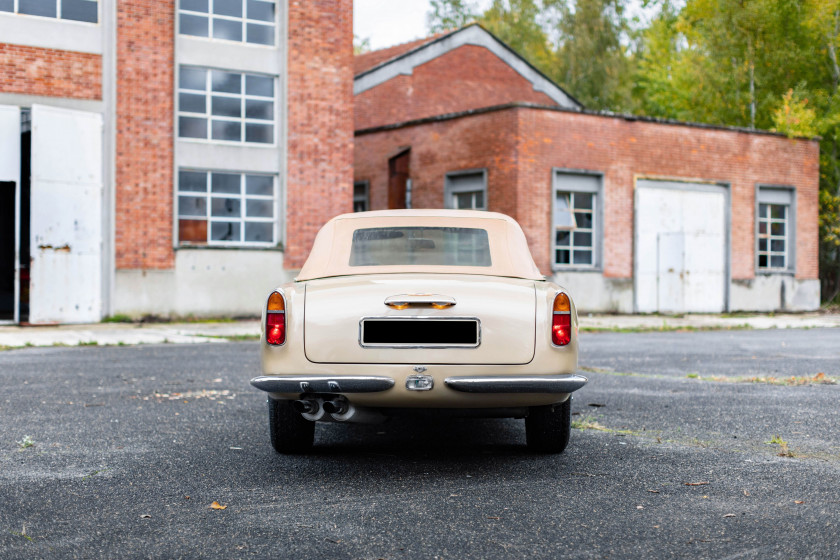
[[320, 120], [145, 133]]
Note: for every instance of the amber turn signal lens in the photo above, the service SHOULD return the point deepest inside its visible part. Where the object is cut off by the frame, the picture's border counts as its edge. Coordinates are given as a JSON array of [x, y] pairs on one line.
[[276, 302], [562, 303]]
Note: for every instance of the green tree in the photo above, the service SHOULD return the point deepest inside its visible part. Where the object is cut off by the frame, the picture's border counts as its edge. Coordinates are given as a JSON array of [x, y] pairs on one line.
[[446, 15]]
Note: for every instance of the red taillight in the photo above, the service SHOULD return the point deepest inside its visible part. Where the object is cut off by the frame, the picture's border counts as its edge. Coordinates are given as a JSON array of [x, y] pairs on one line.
[[275, 320], [561, 320]]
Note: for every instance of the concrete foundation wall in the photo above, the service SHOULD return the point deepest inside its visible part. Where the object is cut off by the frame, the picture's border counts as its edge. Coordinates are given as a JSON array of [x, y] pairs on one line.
[[594, 293], [204, 283], [775, 292]]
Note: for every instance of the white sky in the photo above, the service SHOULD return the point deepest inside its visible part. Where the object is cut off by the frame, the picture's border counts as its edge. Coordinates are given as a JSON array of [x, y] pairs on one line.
[[389, 22]]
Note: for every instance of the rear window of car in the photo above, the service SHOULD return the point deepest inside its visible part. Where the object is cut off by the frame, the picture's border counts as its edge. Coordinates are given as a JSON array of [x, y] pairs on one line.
[[434, 246]]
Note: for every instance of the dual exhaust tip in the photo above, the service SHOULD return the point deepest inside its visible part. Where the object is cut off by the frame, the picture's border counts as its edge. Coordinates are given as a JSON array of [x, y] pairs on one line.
[[336, 410]]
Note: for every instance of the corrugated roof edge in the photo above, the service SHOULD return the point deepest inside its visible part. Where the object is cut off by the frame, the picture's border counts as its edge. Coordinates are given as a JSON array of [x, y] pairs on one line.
[[607, 114]]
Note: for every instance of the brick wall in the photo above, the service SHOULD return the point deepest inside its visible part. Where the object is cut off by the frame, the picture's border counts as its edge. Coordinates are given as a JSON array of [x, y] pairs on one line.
[[50, 72], [519, 147], [320, 126], [465, 78], [144, 159]]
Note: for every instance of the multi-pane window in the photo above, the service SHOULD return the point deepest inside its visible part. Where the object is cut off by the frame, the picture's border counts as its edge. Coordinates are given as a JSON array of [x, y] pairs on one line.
[[228, 106], [360, 197], [574, 228], [249, 21], [76, 10], [221, 208], [466, 191], [772, 236]]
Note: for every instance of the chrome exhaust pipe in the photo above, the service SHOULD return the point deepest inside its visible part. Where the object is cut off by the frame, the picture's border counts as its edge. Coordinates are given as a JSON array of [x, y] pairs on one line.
[[336, 406], [358, 415], [310, 409]]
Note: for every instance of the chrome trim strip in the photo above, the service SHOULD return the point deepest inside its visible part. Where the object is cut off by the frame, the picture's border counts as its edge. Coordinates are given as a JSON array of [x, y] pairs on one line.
[[416, 318], [565, 383], [322, 383], [420, 299]]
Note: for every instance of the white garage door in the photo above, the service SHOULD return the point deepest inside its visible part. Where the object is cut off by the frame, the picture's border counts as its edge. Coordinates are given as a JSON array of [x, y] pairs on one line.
[[680, 254], [66, 216]]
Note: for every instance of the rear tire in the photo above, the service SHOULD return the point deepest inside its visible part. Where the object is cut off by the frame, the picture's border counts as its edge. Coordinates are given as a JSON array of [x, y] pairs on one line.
[[290, 433], [547, 428]]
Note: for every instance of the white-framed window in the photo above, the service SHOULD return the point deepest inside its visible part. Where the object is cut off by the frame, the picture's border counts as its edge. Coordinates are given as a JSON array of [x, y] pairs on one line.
[[774, 229], [576, 219], [466, 190], [243, 21], [75, 10], [361, 200], [226, 208], [225, 106]]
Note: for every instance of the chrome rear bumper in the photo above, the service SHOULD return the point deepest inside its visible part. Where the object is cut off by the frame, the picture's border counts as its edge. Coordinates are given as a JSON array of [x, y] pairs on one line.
[[566, 383], [323, 383]]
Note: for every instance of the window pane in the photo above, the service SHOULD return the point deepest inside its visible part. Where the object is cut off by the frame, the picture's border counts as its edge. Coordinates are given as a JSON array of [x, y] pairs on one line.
[[359, 190], [463, 200], [7, 5], [259, 208], [37, 7], [192, 103], [226, 207], [225, 231], [192, 206], [226, 130], [583, 201], [777, 228], [255, 109], [192, 231], [260, 232], [762, 244], [259, 185], [431, 246], [777, 211], [227, 82], [227, 183], [79, 10], [195, 5], [479, 199], [359, 206], [583, 257], [777, 261], [260, 34], [227, 107], [562, 238], [762, 210], [189, 127], [257, 9], [192, 181], [192, 78], [777, 245], [562, 257], [226, 29], [228, 7], [259, 85], [194, 25], [762, 261], [583, 239], [583, 219], [263, 133], [762, 227]]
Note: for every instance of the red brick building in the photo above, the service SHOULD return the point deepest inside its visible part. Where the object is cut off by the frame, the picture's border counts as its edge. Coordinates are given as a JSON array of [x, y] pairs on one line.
[[167, 157], [631, 214]]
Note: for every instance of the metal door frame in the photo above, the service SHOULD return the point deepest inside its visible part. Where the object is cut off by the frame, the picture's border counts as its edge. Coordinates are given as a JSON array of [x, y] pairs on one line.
[[16, 298]]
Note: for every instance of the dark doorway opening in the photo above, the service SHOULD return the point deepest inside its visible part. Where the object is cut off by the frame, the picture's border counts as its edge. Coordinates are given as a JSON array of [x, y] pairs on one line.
[[7, 251], [25, 173]]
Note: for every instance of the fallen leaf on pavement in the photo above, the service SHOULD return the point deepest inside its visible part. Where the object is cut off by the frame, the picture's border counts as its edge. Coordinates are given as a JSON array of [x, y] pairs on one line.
[[217, 505], [798, 502], [746, 493], [654, 491], [145, 516], [704, 483], [729, 515]]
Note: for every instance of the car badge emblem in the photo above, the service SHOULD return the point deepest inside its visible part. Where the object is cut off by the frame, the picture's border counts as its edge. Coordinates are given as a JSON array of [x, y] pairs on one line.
[[419, 369]]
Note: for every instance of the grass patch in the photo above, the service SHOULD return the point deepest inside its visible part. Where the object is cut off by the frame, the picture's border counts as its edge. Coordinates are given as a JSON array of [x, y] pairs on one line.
[[666, 328], [26, 442], [793, 381], [118, 318], [784, 451]]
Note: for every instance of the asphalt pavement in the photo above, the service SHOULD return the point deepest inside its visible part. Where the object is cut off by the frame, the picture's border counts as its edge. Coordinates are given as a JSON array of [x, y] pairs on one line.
[[676, 453]]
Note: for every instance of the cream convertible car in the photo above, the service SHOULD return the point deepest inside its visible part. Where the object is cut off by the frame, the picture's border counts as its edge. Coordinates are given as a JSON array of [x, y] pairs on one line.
[[440, 311]]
